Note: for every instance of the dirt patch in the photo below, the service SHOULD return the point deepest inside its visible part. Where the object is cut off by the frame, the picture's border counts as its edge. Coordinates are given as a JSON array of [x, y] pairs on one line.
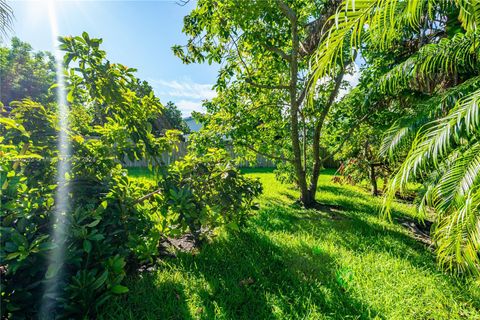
[[169, 247], [420, 231], [185, 243], [327, 211]]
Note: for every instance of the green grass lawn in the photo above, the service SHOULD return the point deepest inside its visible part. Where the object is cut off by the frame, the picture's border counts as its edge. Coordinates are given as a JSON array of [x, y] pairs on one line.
[[292, 263]]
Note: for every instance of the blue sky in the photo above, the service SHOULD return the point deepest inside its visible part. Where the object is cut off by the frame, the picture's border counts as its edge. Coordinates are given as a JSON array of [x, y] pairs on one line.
[[138, 34]]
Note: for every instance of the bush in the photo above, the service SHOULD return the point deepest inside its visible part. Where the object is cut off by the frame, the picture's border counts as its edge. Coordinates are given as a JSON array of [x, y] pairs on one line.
[[112, 223], [99, 223], [208, 191]]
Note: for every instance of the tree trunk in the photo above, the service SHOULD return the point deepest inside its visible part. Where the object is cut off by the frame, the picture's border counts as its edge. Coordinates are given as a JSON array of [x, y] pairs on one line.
[[373, 180], [307, 192], [294, 108], [317, 160]]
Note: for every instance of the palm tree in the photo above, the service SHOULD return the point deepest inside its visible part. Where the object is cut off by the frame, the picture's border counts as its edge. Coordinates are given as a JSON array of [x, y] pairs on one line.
[[6, 17], [444, 136]]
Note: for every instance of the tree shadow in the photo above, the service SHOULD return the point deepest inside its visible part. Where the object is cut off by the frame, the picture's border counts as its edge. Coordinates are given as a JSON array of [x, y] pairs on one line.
[[250, 277], [360, 233], [149, 298], [363, 231]]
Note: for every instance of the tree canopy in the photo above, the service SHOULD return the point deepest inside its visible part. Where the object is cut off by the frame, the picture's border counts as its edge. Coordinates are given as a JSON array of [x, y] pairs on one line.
[[25, 73], [265, 48]]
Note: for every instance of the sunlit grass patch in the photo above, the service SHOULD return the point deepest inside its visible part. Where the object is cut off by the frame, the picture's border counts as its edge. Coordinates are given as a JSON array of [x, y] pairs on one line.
[[292, 263]]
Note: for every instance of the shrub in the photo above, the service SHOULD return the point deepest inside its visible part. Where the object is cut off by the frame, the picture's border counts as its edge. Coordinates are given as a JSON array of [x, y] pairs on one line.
[[112, 223], [207, 191], [101, 219]]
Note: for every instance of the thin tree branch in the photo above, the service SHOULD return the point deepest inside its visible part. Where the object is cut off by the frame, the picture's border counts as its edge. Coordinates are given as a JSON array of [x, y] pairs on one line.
[[248, 80], [287, 11], [278, 51], [147, 196], [265, 86], [271, 156], [350, 132]]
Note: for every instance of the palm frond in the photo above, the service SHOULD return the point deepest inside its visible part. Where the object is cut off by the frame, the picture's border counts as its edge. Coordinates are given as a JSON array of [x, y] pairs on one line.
[[457, 235], [402, 133], [460, 177], [469, 13], [6, 17], [446, 59], [381, 18], [437, 138], [453, 142]]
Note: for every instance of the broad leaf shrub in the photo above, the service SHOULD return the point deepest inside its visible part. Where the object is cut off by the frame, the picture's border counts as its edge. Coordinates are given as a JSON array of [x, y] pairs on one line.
[[113, 223], [98, 225], [206, 191]]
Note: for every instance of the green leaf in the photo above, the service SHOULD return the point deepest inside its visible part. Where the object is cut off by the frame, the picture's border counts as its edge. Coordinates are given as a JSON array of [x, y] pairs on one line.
[[70, 96], [13, 255], [119, 289], [87, 246], [104, 204], [93, 223], [100, 280], [233, 226], [118, 265], [53, 270]]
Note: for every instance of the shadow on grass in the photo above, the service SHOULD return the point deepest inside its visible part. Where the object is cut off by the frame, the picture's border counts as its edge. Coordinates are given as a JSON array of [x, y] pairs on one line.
[[147, 299], [253, 275], [247, 276]]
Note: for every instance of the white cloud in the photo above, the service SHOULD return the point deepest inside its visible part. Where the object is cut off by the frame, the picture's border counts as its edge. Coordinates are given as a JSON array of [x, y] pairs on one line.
[[187, 106], [186, 94], [183, 89]]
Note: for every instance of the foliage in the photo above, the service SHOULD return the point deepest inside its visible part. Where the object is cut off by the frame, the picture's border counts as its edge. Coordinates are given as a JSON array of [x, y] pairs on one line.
[[6, 17], [208, 191], [264, 49], [102, 216], [293, 263], [26, 74], [171, 116], [439, 66], [174, 116], [112, 223]]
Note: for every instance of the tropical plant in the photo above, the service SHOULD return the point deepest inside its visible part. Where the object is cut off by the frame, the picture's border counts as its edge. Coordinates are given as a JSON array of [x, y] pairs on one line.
[[6, 16], [442, 134]]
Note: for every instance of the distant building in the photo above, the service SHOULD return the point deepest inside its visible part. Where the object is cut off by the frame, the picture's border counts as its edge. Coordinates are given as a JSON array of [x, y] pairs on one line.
[[193, 124]]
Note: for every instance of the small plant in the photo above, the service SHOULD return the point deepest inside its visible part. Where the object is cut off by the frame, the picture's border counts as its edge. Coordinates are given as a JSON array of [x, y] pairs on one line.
[[201, 193]]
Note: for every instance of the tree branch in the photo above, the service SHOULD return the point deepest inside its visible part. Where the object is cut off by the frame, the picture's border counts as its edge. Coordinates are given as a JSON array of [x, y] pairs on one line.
[[350, 132], [147, 196], [302, 94], [248, 80], [264, 86], [271, 156], [287, 11], [278, 51]]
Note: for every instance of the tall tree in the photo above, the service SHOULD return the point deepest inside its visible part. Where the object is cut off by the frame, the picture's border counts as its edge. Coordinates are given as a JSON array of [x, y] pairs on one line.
[[174, 117], [264, 48], [25, 73]]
